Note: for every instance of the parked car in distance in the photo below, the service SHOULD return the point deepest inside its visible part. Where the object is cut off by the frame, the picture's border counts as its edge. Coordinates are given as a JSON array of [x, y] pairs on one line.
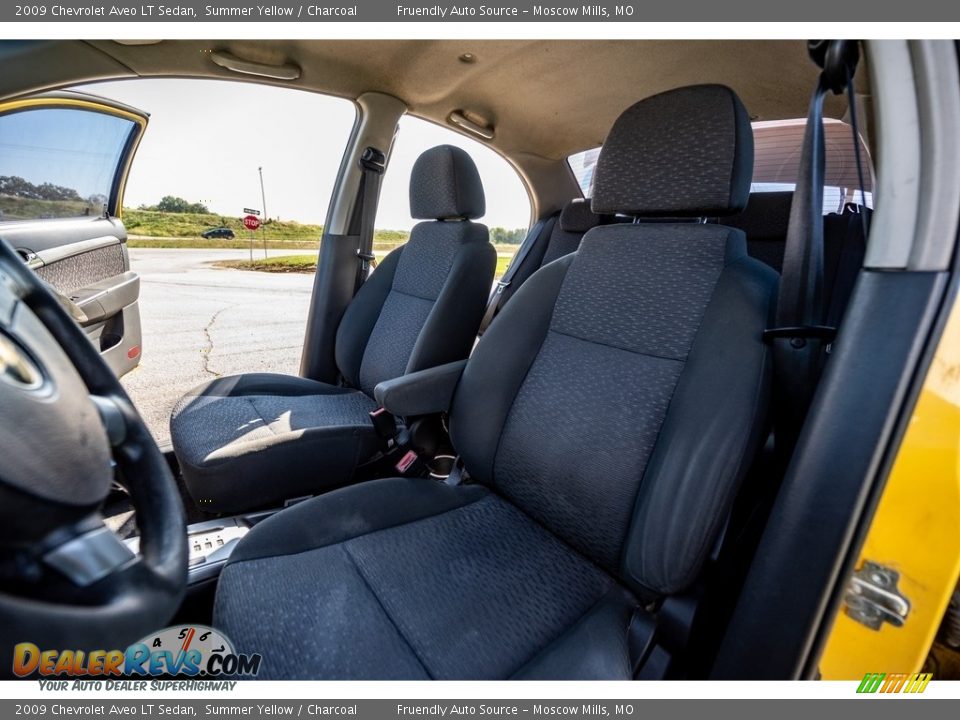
[[220, 232]]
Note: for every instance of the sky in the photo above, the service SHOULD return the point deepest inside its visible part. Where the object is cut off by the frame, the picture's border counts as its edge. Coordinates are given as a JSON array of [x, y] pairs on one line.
[[206, 139], [33, 146]]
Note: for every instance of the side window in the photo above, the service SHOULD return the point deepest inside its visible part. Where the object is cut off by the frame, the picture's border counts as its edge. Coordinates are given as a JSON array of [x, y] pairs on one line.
[[583, 165], [508, 205], [209, 144], [59, 162]]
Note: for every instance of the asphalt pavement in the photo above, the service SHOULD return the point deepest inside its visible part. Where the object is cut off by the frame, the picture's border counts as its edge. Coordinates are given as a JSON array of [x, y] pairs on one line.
[[201, 322]]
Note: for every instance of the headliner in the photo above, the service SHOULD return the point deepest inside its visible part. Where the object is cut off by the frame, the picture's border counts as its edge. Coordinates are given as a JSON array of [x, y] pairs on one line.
[[547, 98]]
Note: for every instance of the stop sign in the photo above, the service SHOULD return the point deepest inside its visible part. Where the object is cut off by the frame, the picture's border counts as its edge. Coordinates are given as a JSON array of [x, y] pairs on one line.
[[251, 222]]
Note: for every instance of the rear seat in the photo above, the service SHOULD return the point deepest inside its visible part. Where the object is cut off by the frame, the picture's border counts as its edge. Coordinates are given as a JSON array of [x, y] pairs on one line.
[[559, 235], [549, 240], [764, 221]]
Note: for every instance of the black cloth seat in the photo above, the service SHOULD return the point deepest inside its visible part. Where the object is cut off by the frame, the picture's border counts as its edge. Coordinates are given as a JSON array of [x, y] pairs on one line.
[[413, 579], [251, 440], [605, 419]]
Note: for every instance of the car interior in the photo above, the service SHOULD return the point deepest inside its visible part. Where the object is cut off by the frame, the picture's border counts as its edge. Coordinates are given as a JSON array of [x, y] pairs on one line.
[[648, 451]]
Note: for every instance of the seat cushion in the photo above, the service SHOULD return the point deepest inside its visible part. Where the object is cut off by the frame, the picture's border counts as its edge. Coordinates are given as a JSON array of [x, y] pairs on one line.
[[251, 440], [408, 578]]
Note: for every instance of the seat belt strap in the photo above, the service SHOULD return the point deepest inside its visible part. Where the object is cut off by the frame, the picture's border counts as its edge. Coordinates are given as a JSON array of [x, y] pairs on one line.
[[641, 639], [540, 228], [373, 163], [849, 262], [800, 336], [656, 644]]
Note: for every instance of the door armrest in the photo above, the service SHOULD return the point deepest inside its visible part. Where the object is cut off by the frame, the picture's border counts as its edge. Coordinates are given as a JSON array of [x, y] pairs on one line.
[[106, 298]]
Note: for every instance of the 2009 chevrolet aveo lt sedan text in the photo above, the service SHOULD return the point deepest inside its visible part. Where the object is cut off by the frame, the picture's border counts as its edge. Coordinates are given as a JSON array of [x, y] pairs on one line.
[[709, 429]]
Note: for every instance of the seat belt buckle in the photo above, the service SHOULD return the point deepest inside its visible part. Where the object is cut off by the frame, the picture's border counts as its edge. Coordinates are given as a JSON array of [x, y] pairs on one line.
[[373, 160], [409, 461], [385, 425], [501, 286]]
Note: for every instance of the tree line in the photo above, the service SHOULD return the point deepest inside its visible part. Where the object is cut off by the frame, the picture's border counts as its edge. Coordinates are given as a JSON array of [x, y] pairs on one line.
[[173, 204], [507, 237], [16, 186]]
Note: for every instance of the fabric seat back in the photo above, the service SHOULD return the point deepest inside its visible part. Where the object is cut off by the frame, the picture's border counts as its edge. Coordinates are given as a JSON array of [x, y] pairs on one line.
[[621, 393], [423, 304]]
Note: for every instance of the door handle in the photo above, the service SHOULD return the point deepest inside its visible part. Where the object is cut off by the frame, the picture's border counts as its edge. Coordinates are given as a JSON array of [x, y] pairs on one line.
[[32, 260]]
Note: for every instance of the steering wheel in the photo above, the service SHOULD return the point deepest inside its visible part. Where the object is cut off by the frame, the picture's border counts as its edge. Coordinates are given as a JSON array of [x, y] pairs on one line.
[[67, 429]]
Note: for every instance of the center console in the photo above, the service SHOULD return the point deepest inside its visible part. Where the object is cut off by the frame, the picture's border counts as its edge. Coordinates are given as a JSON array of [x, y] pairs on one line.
[[211, 542]]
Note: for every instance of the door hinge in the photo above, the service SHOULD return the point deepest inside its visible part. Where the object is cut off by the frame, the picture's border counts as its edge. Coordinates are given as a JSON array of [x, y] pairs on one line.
[[872, 597]]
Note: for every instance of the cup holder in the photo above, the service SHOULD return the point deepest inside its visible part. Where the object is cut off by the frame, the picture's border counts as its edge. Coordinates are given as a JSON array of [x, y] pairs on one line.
[[441, 466]]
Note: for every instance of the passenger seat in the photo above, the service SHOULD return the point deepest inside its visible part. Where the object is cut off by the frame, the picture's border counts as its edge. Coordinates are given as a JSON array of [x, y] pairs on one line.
[[248, 441], [605, 420]]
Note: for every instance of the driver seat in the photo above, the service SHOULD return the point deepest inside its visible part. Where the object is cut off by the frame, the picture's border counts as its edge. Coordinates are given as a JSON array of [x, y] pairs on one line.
[[605, 419]]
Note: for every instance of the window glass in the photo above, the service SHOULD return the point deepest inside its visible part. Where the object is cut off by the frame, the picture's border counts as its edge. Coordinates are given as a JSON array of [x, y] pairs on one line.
[[508, 204], [583, 165], [208, 140], [58, 162], [777, 148]]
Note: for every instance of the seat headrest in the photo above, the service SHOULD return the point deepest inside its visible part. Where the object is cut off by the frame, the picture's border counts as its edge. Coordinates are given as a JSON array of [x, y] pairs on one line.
[[683, 153], [578, 217], [445, 184]]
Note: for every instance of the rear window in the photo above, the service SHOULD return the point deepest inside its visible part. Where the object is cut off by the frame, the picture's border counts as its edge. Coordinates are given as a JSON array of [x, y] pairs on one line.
[[777, 147], [776, 160]]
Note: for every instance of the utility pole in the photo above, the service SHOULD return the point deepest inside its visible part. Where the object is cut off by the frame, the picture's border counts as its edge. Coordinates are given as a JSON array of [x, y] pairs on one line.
[[263, 199]]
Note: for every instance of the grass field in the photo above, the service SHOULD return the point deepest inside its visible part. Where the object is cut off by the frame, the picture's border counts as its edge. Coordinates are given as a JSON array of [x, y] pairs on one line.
[[219, 243], [167, 230], [151, 226], [19, 208], [157, 224], [308, 264]]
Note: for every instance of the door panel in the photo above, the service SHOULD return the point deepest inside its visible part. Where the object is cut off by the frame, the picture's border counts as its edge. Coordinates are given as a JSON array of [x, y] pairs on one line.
[[63, 166], [85, 261]]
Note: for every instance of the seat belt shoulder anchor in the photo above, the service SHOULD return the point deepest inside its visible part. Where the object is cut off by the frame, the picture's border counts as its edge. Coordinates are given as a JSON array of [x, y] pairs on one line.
[[373, 160]]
